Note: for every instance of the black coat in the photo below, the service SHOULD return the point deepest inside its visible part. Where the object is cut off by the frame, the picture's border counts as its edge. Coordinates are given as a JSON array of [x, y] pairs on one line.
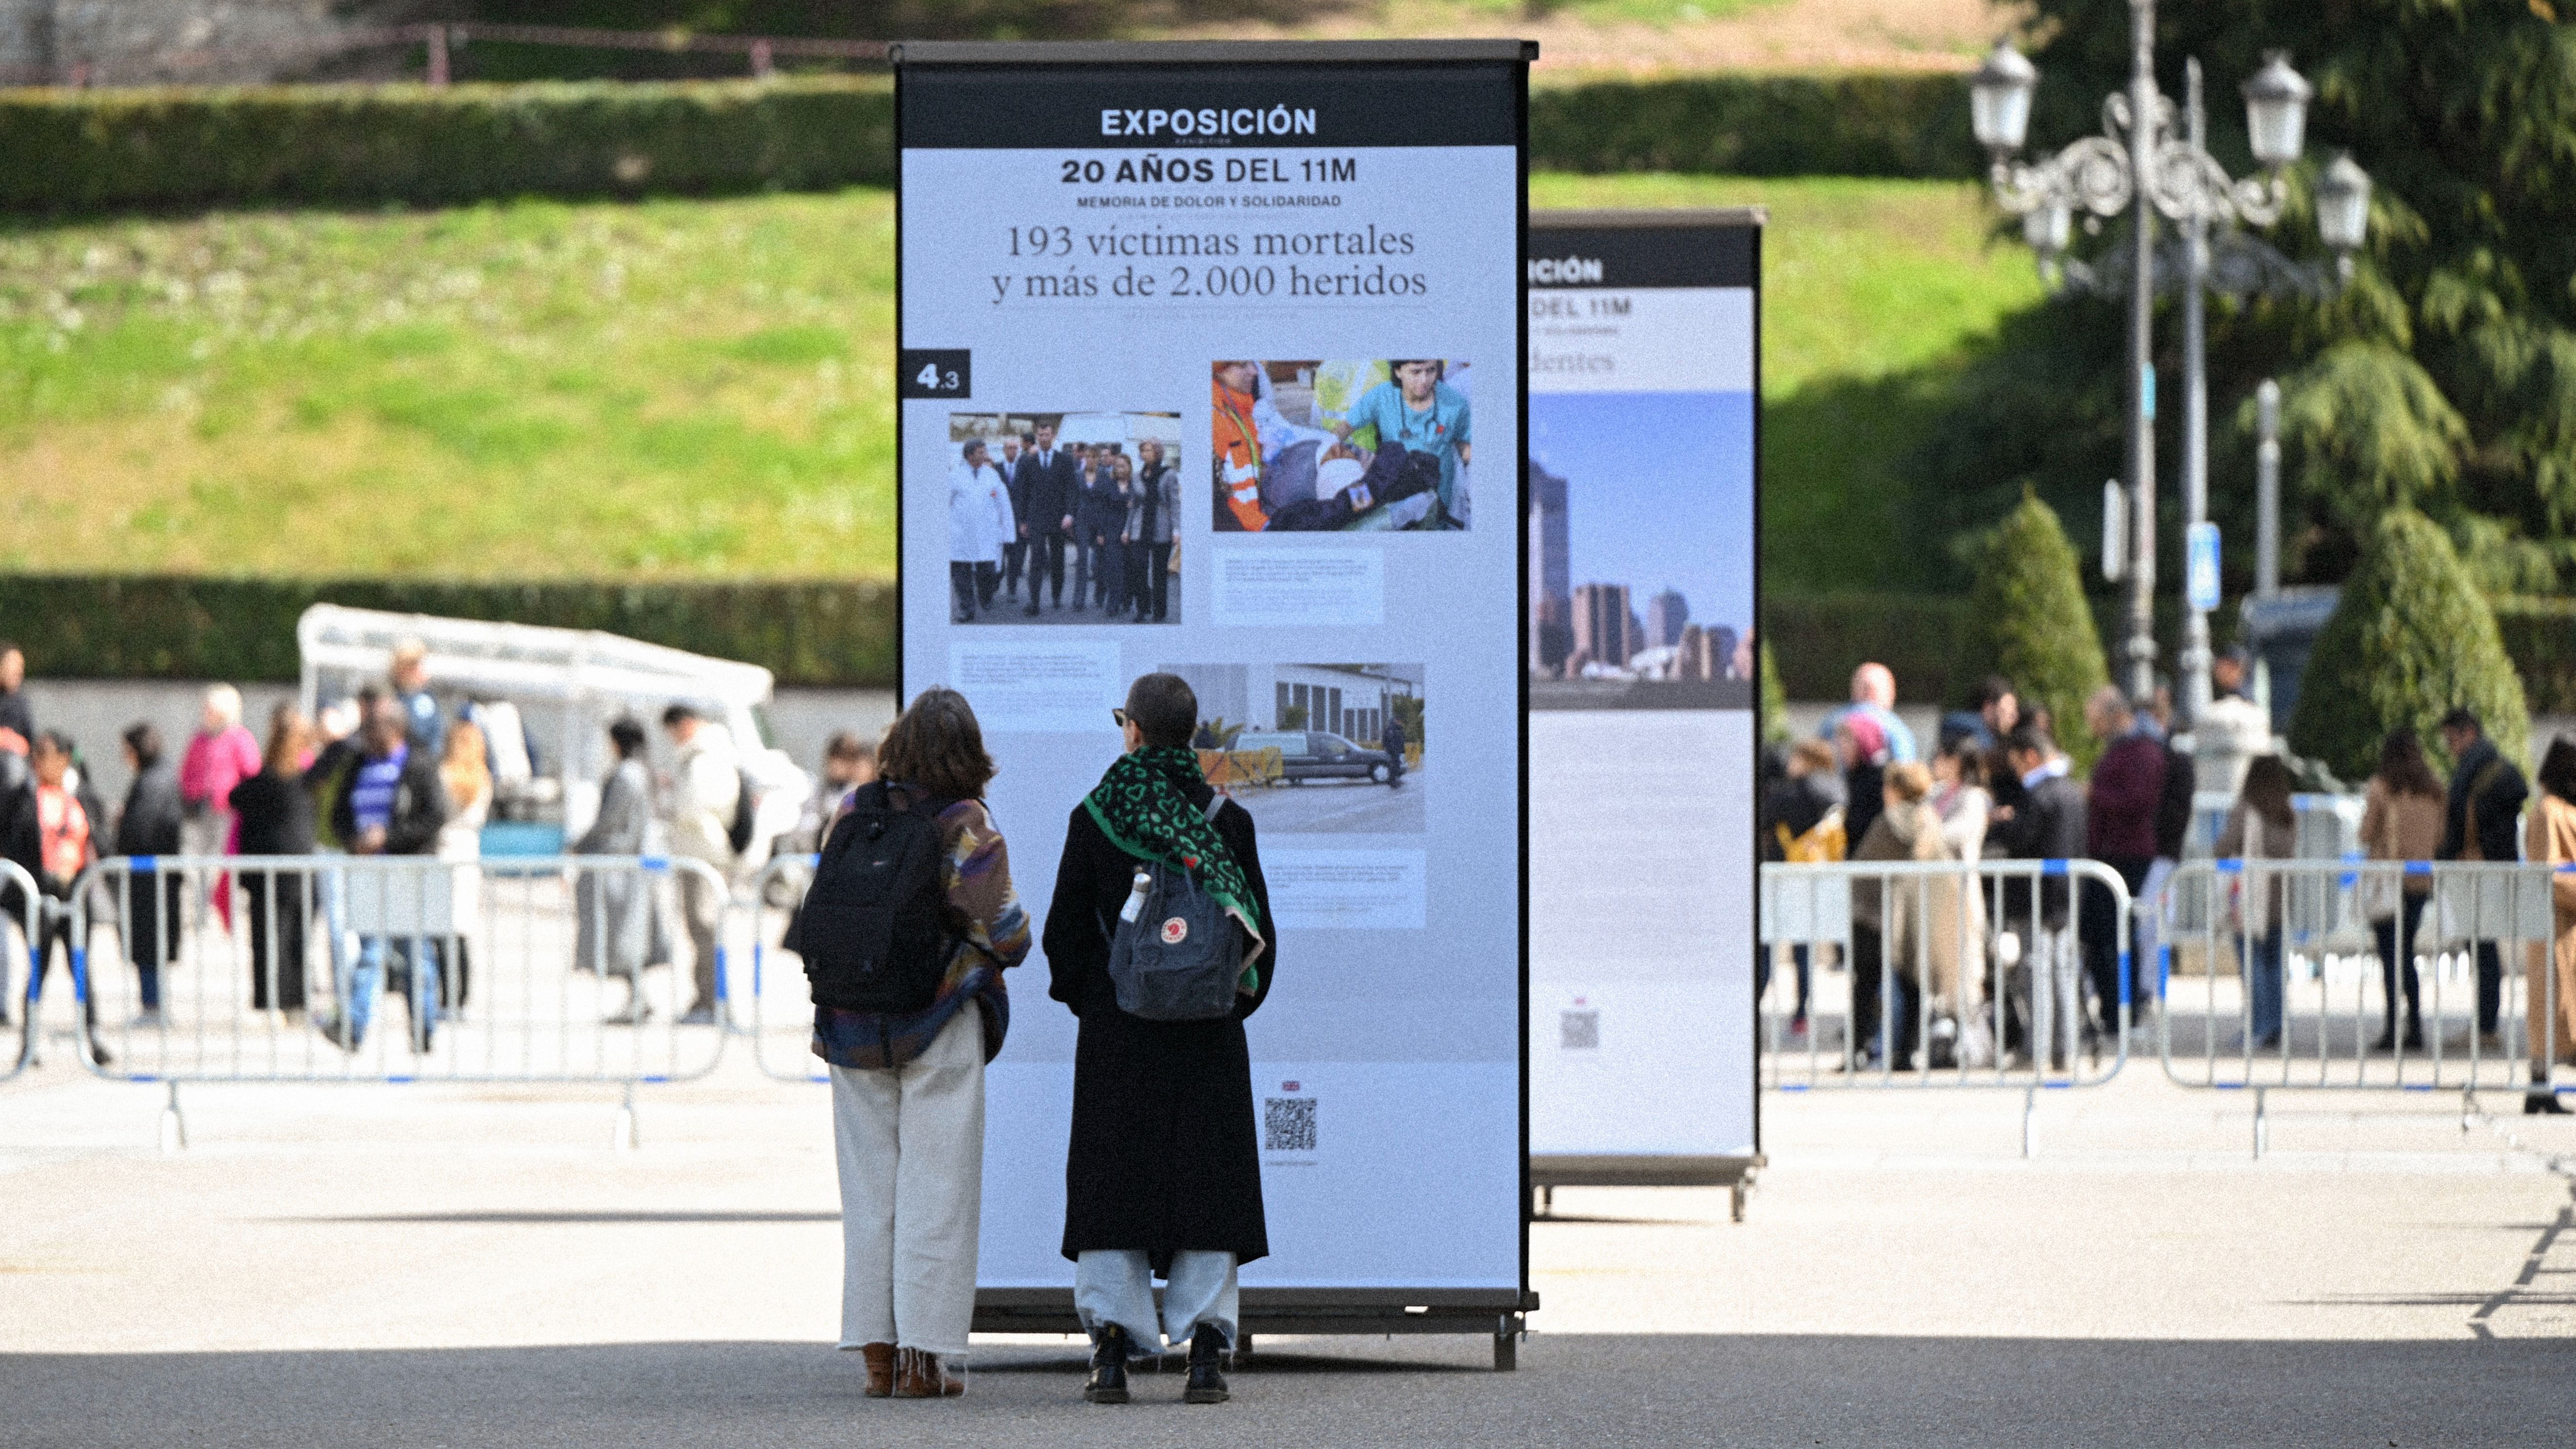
[[2499, 804], [420, 807], [1041, 497], [150, 824], [276, 814], [1165, 1153], [2049, 823]]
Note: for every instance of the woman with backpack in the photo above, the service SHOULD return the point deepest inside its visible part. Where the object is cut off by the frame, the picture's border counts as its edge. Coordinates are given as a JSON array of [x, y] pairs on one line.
[[911, 919]]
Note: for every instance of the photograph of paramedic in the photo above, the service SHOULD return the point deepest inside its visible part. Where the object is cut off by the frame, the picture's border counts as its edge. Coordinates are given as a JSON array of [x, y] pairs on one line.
[[1064, 518], [1315, 748], [1359, 446]]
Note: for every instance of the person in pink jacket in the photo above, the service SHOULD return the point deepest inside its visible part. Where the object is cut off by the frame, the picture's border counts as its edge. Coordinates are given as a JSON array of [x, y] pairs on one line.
[[220, 755]]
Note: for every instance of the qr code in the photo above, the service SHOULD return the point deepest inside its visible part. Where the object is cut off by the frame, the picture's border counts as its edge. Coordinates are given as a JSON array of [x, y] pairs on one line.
[[1579, 1031], [1287, 1124]]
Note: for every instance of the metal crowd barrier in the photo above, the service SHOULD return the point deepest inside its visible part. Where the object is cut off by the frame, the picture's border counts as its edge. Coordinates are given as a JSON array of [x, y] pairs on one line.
[[781, 1014], [19, 887], [389, 969], [1974, 989], [2310, 1011]]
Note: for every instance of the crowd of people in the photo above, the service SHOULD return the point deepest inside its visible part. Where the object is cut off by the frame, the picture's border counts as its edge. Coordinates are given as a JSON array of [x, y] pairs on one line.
[[385, 772], [1023, 515], [2026, 975]]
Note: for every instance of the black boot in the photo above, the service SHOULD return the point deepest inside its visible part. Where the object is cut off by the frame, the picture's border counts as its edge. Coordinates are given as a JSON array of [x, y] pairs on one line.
[[2540, 1102], [1207, 1384], [1108, 1383]]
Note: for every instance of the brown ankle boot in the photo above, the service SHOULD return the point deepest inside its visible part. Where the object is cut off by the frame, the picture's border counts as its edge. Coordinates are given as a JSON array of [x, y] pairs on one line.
[[880, 1357], [919, 1375]]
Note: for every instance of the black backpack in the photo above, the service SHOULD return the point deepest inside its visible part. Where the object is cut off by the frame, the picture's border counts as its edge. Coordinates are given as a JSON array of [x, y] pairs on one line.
[[1175, 954], [874, 927]]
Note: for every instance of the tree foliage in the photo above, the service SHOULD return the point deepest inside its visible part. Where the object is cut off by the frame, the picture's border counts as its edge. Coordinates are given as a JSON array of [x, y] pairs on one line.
[[2028, 622], [2411, 637], [2442, 379]]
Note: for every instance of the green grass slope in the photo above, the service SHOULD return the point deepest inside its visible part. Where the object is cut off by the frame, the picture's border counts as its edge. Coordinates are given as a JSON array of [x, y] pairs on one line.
[[701, 389]]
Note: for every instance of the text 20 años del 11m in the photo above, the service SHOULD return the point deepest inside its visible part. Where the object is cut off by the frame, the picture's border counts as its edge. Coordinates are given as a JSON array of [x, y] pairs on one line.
[[1152, 169]]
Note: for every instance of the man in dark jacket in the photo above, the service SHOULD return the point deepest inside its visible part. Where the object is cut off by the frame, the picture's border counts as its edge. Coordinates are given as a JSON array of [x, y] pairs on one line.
[[2047, 823], [2482, 820], [15, 717], [149, 827], [1393, 742], [393, 804], [2120, 831], [1164, 1172], [1044, 492]]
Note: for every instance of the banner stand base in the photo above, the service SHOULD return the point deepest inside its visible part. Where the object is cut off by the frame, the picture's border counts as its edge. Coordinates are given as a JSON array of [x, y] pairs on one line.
[[1501, 1312], [1546, 1174]]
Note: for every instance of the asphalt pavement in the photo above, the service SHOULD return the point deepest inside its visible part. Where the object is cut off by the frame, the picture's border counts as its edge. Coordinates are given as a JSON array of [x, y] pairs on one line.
[[433, 1265]]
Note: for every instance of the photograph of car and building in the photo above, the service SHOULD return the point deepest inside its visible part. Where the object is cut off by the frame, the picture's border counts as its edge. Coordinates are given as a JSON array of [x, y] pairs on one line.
[[1316, 748]]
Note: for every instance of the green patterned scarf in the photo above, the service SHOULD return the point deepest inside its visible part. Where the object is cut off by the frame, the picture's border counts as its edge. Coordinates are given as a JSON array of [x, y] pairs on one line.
[[1142, 805]]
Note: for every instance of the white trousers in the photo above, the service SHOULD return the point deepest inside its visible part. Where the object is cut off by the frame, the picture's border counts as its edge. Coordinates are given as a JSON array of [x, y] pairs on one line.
[[2056, 1005], [1116, 1285], [911, 1148]]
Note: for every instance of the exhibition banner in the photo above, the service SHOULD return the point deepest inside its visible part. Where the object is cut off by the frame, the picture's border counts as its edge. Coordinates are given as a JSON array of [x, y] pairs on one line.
[[1210, 362], [1644, 360]]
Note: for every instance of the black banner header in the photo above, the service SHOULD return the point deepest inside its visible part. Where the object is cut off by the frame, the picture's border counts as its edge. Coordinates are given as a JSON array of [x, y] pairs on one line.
[[1669, 250], [1140, 105]]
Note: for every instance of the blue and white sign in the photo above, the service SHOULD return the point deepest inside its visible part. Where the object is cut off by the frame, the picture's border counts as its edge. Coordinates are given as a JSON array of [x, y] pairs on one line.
[[2200, 566]]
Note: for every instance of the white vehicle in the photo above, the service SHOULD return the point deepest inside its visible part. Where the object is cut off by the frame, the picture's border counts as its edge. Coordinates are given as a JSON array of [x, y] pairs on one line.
[[1122, 430], [562, 688]]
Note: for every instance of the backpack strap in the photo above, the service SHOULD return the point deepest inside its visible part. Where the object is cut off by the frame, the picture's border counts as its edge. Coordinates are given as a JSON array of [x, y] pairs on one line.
[[1216, 802]]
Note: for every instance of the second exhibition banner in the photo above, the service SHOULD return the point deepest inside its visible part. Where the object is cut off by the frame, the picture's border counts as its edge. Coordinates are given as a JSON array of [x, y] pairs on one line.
[[1644, 355], [1210, 362]]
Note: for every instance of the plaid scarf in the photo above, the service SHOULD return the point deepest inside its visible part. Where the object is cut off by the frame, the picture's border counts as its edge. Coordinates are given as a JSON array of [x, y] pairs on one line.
[[1142, 805]]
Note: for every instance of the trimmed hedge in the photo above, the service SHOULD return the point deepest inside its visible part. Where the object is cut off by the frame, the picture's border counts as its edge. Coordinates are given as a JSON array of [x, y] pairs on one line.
[[1868, 124], [92, 627], [74, 151], [97, 150]]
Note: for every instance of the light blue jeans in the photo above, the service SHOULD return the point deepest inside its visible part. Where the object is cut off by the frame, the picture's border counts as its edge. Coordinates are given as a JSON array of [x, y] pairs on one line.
[[1116, 1285], [360, 986]]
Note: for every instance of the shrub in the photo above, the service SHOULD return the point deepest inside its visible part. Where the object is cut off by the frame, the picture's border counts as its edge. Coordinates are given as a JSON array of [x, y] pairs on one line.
[[93, 150], [372, 145], [2409, 639], [1774, 697], [2027, 621]]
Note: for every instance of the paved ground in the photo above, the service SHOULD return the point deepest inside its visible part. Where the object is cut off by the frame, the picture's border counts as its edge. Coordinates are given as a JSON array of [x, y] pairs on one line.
[[422, 1266]]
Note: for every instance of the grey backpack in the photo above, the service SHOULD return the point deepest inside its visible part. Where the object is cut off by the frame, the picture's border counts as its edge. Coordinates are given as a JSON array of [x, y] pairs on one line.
[[1174, 954]]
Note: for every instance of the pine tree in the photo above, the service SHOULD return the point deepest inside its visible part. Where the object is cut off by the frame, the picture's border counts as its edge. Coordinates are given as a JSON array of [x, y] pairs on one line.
[[2028, 621], [2410, 638]]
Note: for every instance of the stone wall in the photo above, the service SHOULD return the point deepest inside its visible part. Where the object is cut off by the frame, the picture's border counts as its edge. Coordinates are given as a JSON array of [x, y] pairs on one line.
[[125, 42]]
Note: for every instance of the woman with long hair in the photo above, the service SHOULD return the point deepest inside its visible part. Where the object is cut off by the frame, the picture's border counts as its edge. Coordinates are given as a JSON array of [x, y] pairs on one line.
[[908, 1087], [2263, 826], [2550, 970], [275, 815], [464, 767], [2401, 819]]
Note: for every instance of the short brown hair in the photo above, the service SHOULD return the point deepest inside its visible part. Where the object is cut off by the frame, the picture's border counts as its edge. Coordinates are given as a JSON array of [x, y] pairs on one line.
[[937, 746]]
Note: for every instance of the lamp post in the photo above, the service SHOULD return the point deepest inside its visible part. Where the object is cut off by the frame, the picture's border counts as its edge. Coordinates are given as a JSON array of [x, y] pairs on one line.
[[2139, 163]]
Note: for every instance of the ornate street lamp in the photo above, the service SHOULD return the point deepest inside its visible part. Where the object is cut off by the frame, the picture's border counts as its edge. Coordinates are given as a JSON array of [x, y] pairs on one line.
[[2149, 159]]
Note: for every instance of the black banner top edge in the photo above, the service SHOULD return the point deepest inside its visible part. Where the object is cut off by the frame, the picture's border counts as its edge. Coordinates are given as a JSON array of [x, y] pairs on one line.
[[915, 53], [1287, 103], [1706, 250]]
